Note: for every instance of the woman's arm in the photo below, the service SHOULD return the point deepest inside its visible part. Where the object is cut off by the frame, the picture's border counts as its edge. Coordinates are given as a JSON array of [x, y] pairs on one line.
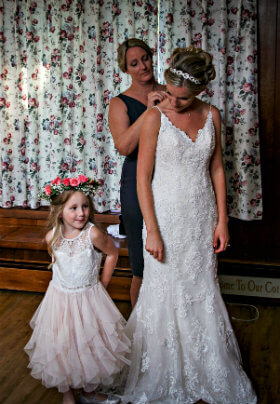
[[103, 243], [126, 137], [145, 166], [221, 235]]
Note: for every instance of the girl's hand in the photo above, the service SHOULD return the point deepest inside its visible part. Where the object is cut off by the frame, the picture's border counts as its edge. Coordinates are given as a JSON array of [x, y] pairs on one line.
[[104, 243], [154, 244], [155, 97], [221, 237]]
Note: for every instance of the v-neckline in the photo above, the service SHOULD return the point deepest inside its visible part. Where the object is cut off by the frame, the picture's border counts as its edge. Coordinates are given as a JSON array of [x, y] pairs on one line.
[[185, 133]]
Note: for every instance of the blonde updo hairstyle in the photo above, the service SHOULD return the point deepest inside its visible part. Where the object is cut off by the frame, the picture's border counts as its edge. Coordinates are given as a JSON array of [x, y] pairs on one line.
[[55, 217], [131, 43], [193, 61]]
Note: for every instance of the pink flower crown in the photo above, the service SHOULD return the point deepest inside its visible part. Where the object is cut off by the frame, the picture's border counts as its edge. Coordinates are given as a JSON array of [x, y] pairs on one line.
[[59, 185]]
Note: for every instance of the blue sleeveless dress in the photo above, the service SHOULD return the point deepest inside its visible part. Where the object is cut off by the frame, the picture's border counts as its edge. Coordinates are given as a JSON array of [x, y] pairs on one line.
[[131, 216]]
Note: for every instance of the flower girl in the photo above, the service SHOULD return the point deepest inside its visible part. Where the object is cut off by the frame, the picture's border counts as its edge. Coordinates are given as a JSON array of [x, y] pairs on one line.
[[78, 341]]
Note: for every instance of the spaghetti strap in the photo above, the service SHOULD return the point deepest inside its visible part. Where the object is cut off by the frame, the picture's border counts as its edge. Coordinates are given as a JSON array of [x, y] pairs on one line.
[[91, 225], [155, 106]]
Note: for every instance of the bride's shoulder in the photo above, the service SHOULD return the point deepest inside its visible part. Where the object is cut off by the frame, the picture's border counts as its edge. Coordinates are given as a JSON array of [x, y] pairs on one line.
[[215, 113], [207, 107], [152, 118], [152, 114]]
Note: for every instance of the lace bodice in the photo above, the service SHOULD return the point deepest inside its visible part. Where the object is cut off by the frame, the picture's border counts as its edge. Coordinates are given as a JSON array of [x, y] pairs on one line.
[[77, 262], [182, 162]]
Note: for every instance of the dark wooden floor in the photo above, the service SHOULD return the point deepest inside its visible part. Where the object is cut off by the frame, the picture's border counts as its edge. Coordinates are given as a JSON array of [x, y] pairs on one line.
[[259, 344]]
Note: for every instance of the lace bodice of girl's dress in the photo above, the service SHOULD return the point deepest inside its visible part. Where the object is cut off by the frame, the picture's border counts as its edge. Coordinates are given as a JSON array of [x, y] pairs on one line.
[[77, 263]]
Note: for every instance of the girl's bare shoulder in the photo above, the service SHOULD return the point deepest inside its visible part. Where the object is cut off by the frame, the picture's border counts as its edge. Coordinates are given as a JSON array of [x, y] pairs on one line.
[[96, 234], [48, 236]]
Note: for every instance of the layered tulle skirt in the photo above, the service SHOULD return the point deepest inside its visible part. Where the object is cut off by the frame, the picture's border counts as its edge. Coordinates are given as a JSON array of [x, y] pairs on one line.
[[78, 340]]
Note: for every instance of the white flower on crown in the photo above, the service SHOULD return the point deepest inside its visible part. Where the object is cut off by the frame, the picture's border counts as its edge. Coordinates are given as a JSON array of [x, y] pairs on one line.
[[186, 76]]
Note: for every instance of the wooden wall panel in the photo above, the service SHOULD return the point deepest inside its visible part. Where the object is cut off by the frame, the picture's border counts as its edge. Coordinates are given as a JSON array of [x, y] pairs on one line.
[[260, 240]]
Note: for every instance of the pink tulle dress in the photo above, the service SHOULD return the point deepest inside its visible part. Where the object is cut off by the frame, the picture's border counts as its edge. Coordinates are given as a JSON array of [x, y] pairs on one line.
[[78, 339]]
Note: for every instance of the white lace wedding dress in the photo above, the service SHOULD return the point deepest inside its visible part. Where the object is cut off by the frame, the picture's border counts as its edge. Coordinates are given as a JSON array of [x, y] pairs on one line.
[[184, 348]]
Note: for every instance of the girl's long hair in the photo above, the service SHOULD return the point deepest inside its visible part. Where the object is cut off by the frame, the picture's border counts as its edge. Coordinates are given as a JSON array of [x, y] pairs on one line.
[[55, 218]]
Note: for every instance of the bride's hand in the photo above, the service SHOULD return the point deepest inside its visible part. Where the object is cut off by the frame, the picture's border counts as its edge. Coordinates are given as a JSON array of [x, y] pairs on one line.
[[221, 237], [155, 97], [154, 244]]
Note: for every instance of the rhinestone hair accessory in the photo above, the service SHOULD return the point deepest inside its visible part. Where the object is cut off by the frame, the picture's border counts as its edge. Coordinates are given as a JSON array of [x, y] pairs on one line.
[[185, 75], [57, 186]]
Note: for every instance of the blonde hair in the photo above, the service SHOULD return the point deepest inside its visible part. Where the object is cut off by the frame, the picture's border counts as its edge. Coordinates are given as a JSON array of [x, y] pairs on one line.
[[131, 43], [196, 63], [55, 220]]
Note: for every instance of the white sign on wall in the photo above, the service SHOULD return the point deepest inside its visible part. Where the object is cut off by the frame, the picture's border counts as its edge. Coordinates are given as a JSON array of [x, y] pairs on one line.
[[250, 286]]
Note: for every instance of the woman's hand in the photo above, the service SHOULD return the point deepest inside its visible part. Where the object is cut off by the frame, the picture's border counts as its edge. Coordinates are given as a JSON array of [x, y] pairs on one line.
[[221, 237], [154, 244], [155, 97]]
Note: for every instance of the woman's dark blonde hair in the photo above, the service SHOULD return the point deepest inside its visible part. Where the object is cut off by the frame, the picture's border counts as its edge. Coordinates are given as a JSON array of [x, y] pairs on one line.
[[55, 220], [131, 43], [193, 61]]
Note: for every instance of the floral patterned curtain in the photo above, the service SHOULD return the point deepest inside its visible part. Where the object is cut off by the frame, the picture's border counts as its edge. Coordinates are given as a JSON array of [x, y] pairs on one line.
[[56, 80], [58, 71]]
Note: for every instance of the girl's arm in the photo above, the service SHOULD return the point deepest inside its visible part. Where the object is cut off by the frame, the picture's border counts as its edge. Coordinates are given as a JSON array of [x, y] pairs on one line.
[[103, 243], [126, 136], [145, 166], [221, 234]]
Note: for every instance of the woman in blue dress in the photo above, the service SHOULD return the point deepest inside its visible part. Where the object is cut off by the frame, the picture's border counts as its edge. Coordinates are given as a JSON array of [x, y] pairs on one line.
[[126, 114]]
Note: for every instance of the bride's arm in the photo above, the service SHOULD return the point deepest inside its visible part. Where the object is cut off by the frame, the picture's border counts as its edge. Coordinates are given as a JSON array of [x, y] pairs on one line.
[[221, 235], [145, 166]]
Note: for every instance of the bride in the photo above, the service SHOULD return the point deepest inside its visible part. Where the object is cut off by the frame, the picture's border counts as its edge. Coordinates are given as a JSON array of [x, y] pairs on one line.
[[183, 346]]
